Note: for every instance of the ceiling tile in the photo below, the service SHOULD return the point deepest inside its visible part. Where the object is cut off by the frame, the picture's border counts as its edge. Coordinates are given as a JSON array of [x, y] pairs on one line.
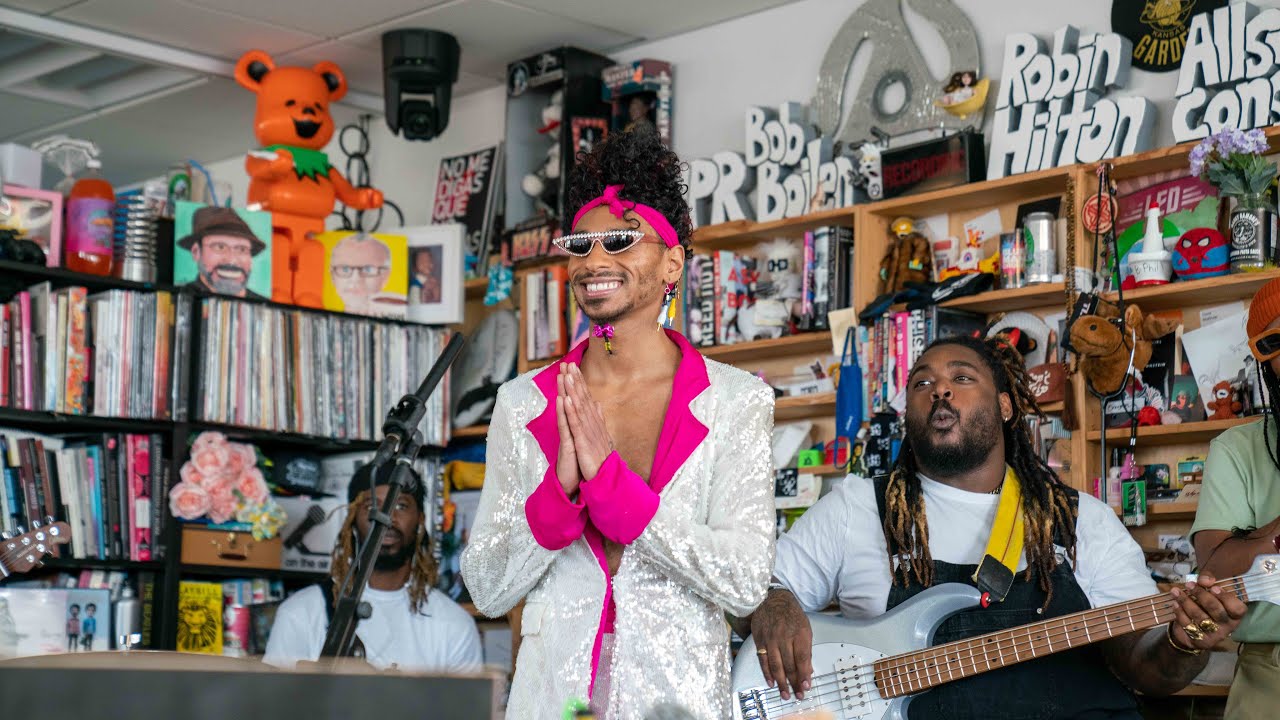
[[186, 26], [363, 67], [39, 7], [334, 20], [493, 34], [222, 127], [653, 18], [22, 114]]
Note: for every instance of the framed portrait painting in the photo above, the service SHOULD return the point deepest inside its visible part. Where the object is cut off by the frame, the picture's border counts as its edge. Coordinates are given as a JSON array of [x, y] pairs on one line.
[[436, 258]]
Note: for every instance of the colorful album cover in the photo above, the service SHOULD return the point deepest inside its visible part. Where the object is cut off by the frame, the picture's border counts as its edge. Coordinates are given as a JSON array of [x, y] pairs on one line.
[[365, 274], [200, 617], [225, 251]]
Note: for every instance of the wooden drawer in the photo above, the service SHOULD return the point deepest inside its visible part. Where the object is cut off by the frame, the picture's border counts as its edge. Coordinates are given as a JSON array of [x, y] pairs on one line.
[[202, 546]]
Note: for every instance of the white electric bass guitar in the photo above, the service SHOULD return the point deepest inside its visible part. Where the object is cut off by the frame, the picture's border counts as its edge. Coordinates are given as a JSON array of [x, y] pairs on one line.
[[870, 669]]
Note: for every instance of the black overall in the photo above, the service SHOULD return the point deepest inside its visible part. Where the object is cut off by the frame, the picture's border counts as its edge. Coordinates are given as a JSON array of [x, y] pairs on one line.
[[1072, 684]]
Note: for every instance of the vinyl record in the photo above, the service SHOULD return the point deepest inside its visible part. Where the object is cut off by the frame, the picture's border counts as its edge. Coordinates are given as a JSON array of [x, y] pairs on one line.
[[489, 361], [1030, 325]]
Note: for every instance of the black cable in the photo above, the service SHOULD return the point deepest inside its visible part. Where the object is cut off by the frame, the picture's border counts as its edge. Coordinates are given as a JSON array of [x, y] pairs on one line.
[[357, 172]]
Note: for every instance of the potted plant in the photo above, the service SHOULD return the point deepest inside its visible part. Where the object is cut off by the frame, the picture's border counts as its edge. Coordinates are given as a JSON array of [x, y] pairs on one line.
[[1231, 160]]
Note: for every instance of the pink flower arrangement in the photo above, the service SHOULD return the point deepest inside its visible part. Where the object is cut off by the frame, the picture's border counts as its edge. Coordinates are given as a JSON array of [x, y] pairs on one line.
[[221, 480]]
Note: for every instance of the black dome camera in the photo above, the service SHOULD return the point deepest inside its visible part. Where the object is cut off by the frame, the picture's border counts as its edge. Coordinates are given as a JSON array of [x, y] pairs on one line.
[[419, 68]]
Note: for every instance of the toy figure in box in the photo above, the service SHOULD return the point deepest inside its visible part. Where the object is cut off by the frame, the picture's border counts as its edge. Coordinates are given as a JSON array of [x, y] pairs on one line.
[[291, 176], [640, 93], [908, 260], [779, 288], [543, 184]]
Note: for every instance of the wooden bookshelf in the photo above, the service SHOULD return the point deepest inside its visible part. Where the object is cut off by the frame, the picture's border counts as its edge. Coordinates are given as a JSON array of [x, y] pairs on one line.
[[1196, 432], [1168, 510], [289, 576], [1013, 189], [476, 288], [822, 470], [471, 432], [804, 407], [1209, 291], [802, 344], [1023, 298], [1170, 158], [737, 232]]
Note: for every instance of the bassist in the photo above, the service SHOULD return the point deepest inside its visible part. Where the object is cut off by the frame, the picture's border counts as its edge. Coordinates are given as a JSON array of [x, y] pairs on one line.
[[948, 512]]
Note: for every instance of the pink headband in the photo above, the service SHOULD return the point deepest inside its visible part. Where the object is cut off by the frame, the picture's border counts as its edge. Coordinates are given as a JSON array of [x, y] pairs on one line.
[[619, 208]]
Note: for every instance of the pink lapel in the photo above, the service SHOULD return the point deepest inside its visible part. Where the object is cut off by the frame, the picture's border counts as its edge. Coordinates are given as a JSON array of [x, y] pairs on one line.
[[681, 431]]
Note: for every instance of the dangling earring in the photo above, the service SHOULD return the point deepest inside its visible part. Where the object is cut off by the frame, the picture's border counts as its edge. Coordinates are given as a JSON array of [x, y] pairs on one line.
[[672, 291]]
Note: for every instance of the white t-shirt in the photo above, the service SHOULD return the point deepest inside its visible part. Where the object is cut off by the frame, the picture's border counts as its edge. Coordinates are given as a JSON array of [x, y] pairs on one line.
[[837, 550], [441, 638]]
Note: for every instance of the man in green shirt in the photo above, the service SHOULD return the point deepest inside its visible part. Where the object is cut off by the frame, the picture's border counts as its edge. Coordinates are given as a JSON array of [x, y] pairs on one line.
[[1239, 516]]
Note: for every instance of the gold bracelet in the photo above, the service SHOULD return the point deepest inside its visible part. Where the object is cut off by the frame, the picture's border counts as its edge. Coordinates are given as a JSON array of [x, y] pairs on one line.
[[1168, 632]]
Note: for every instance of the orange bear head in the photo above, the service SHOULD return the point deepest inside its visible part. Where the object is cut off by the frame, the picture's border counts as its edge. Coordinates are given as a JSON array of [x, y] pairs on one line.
[[293, 102]]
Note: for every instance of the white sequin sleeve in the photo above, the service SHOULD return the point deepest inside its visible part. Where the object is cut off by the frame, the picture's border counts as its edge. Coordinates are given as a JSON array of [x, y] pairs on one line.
[[502, 562], [724, 552]]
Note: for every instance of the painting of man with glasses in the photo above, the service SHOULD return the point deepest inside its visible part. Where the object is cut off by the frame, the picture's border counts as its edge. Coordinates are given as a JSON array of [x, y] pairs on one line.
[[367, 273], [223, 251]]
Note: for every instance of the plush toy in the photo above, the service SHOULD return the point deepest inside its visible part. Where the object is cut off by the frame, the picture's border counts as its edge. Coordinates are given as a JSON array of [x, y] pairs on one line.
[[291, 176], [908, 259], [1201, 253], [1105, 352], [1223, 405], [779, 289], [543, 184]]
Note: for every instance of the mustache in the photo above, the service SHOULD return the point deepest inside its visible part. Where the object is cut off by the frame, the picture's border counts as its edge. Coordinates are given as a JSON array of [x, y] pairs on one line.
[[586, 277], [942, 405]]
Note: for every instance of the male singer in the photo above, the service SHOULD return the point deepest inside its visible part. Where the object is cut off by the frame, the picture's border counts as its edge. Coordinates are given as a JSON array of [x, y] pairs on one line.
[[414, 626]]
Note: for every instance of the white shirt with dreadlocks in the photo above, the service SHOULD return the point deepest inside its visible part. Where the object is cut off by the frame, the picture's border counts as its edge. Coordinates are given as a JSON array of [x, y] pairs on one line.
[[441, 637], [837, 551]]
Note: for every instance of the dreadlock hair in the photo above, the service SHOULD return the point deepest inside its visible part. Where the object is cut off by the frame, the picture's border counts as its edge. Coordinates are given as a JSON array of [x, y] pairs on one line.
[[1267, 376], [1046, 504], [422, 574], [649, 172]]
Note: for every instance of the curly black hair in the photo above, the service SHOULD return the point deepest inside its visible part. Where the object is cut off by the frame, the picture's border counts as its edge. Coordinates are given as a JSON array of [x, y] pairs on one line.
[[650, 173]]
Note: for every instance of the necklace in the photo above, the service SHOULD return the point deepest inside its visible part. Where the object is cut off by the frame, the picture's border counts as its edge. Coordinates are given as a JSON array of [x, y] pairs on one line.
[[998, 488]]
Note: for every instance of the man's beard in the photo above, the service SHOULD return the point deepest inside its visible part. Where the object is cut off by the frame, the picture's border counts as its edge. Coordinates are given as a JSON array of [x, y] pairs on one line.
[[393, 560], [966, 455], [223, 285], [645, 280]]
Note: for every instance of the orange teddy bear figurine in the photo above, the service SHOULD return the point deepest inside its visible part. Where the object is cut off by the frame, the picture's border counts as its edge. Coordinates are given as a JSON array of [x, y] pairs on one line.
[[291, 176]]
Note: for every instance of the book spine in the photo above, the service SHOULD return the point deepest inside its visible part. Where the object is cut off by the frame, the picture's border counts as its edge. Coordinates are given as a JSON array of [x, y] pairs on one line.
[[6, 363], [112, 485], [159, 495]]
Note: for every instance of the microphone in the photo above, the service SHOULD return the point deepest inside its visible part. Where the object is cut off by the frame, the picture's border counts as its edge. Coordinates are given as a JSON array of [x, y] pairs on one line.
[[315, 516]]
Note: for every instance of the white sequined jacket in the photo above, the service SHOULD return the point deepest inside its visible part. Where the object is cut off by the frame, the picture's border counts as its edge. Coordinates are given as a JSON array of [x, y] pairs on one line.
[[699, 541]]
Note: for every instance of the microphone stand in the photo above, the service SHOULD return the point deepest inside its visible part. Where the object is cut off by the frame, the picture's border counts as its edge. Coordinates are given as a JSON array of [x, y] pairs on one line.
[[401, 441]]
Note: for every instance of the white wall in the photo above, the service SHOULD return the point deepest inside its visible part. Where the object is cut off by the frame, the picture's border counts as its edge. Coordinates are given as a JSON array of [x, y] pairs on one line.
[[762, 59]]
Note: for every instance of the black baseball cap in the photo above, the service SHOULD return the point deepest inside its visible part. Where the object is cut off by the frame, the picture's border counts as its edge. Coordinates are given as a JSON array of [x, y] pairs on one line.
[[360, 482]]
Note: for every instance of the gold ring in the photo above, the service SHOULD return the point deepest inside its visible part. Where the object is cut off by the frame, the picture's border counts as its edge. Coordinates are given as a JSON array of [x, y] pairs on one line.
[[762, 651], [1193, 632], [1210, 627]]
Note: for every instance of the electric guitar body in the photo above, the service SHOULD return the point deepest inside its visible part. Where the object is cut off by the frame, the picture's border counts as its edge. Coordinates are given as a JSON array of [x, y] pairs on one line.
[[843, 651]]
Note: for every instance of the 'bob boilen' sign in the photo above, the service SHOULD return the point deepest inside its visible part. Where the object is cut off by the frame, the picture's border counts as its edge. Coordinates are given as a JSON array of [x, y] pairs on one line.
[[1050, 110], [1228, 75]]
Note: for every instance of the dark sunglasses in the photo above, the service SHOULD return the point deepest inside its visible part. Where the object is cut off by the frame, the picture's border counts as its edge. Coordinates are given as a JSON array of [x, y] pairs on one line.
[[1265, 345], [613, 241]]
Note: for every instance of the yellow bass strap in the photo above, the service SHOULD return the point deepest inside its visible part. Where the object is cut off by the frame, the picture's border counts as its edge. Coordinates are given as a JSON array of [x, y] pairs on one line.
[[994, 576]]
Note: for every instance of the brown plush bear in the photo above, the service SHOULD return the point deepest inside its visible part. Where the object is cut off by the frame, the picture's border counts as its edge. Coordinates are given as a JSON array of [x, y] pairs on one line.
[[1104, 352], [908, 260], [1224, 405]]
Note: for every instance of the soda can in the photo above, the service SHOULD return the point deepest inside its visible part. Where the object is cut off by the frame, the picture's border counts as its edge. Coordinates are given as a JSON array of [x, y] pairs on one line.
[[1013, 260], [1042, 247]]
